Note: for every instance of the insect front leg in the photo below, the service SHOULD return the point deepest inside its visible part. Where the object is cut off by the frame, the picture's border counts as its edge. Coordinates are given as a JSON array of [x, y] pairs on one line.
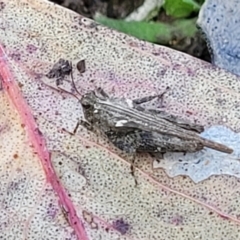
[[80, 122]]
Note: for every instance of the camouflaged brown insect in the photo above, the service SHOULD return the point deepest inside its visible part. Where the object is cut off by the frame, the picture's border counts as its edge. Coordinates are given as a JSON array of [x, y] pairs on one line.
[[133, 128]]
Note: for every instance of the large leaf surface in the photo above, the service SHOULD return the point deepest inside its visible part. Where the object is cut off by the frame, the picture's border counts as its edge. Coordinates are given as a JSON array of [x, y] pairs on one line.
[[220, 22], [92, 177]]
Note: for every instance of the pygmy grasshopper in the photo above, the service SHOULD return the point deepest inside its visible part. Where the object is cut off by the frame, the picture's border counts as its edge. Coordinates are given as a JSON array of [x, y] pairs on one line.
[[133, 128]]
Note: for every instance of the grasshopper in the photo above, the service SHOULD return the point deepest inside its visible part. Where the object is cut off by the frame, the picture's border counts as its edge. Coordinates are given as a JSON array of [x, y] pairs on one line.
[[133, 128]]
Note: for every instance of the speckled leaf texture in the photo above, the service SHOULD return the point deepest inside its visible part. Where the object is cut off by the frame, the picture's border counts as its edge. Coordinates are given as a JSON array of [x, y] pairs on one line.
[[220, 22], [55, 185]]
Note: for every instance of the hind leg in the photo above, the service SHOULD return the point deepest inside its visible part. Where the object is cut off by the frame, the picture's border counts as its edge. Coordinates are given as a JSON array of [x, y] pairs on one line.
[[149, 98], [127, 142]]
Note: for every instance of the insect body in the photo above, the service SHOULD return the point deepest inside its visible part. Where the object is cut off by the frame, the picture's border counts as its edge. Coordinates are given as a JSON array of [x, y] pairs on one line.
[[135, 129]]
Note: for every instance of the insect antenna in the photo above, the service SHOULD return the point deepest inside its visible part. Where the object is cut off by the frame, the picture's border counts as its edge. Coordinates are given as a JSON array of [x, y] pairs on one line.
[[59, 89]]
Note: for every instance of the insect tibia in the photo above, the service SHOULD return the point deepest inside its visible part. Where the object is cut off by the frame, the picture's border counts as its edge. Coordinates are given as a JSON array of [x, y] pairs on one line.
[[216, 146]]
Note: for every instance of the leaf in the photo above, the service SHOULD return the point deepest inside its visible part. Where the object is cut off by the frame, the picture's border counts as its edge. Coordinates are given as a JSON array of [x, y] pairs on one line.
[[180, 8], [220, 22], [152, 32], [29, 207], [60, 186]]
